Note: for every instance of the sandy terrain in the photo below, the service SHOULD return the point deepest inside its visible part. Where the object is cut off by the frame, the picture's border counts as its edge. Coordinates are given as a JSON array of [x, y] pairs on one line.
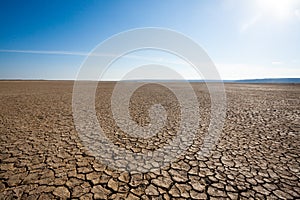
[[42, 156]]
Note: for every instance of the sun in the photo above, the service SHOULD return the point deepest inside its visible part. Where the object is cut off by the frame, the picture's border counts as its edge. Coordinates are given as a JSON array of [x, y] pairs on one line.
[[280, 9]]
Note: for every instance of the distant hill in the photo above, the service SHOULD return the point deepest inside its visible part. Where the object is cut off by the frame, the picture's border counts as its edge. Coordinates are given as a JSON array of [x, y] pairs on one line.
[[268, 80]]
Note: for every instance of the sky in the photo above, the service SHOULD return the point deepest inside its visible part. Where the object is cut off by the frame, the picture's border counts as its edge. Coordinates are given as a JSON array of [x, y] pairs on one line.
[[245, 39]]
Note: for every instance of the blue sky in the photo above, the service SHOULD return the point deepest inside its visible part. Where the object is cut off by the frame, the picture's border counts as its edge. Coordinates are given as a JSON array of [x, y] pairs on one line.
[[245, 39]]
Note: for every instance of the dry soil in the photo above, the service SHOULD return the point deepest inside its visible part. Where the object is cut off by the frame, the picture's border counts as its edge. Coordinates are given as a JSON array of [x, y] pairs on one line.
[[42, 156]]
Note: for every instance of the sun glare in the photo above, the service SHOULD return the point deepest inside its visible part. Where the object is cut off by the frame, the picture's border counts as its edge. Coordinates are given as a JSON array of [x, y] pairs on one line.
[[281, 9]]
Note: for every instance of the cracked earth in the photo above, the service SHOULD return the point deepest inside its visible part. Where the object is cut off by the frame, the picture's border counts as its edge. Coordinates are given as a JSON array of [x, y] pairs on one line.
[[43, 157]]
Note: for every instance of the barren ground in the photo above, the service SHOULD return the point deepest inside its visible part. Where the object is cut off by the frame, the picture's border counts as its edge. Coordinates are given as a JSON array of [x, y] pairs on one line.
[[42, 156]]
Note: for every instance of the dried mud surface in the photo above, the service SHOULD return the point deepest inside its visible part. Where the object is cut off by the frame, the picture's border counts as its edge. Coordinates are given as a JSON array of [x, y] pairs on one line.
[[42, 156]]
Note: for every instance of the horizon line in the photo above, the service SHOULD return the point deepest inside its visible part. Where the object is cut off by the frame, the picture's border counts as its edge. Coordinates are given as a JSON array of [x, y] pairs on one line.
[[149, 80]]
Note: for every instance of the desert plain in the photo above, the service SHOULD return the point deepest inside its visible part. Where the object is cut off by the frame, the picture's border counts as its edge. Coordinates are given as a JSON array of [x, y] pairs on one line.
[[42, 156]]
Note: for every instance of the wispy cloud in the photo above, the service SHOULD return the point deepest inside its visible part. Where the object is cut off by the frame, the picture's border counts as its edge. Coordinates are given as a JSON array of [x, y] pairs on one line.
[[161, 60], [71, 53], [250, 22], [45, 52]]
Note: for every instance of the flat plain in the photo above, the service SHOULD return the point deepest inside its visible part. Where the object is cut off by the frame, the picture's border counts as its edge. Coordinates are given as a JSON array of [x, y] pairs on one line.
[[42, 156]]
